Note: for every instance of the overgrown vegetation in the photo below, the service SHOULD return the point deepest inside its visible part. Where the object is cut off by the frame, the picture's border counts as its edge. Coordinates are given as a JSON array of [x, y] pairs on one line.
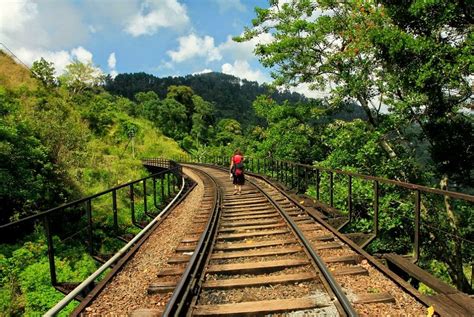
[[60, 140]]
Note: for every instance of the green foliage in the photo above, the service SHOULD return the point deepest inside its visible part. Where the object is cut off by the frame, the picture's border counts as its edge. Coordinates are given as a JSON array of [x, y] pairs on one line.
[[44, 72], [80, 77]]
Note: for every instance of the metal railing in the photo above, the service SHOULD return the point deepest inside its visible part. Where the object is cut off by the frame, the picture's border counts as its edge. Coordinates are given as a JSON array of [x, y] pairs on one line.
[[164, 185]]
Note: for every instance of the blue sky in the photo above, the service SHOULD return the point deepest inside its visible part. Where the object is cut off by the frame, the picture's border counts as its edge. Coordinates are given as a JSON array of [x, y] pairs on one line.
[[162, 37]]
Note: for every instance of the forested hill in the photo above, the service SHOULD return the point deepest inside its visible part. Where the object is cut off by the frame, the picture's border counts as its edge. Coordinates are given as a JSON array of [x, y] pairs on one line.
[[231, 96]]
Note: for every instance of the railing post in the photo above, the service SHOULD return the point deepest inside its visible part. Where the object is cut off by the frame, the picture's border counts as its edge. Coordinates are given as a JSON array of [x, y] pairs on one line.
[[114, 209], [168, 185], [318, 190], [349, 197], [376, 208], [154, 192], [162, 181], [258, 166], [272, 166], [306, 176], [49, 239], [416, 250], [145, 203], [89, 226], [331, 189], [132, 203]]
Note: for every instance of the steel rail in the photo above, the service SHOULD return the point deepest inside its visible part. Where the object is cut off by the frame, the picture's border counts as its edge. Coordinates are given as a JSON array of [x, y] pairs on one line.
[[68, 298], [187, 287], [342, 298]]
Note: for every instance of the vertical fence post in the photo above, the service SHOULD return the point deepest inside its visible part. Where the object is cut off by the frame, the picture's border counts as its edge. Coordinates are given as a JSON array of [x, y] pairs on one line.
[[318, 190], [162, 181], [89, 226], [49, 239], [114, 209], [258, 166], [132, 203], [145, 203], [306, 176], [272, 166], [416, 250], [376, 208], [168, 185], [154, 192], [349, 197], [331, 189]]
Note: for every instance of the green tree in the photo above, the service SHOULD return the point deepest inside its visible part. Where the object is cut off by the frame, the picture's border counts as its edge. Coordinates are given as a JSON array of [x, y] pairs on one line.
[[44, 71], [79, 76]]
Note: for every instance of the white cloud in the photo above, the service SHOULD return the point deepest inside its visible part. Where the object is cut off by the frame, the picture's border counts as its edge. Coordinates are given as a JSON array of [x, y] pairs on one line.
[[228, 5], [60, 59], [157, 14], [15, 14], [204, 71], [243, 50], [193, 46], [112, 61], [242, 69], [82, 55], [306, 90]]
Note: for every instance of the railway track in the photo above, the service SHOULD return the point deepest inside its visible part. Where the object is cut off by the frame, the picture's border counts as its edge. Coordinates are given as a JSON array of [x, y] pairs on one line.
[[259, 253]]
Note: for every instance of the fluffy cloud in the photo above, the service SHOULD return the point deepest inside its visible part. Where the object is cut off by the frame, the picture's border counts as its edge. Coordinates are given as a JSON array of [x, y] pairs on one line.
[[193, 46], [242, 69], [244, 50], [306, 90], [112, 62], [204, 71], [157, 14], [60, 58]]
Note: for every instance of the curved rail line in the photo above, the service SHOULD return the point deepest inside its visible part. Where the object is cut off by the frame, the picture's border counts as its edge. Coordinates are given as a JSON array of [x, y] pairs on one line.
[[250, 213], [261, 253]]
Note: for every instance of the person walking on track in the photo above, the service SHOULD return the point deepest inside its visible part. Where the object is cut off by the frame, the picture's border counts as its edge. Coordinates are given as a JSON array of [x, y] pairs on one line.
[[237, 171]]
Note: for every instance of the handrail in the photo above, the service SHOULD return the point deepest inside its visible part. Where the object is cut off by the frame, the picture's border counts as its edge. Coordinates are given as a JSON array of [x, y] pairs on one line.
[[81, 200], [68, 298]]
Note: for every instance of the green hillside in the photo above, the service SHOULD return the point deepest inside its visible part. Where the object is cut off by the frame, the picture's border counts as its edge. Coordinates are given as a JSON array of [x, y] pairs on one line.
[[57, 145]]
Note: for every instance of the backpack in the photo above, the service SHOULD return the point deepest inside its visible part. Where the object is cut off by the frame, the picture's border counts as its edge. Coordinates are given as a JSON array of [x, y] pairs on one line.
[[238, 166]]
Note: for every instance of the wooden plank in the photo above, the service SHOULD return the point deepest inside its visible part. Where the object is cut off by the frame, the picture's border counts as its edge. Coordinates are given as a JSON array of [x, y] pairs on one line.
[[186, 248], [441, 304], [249, 223], [237, 236], [255, 267], [190, 239], [161, 287], [252, 245], [245, 201], [325, 246], [248, 208], [421, 275], [171, 271], [247, 213], [355, 259], [147, 312], [371, 298], [258, 281], [244, 228], [352, 270], [258, 307], [251, 217], [179, 259], [321, 237], [239, 254]]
